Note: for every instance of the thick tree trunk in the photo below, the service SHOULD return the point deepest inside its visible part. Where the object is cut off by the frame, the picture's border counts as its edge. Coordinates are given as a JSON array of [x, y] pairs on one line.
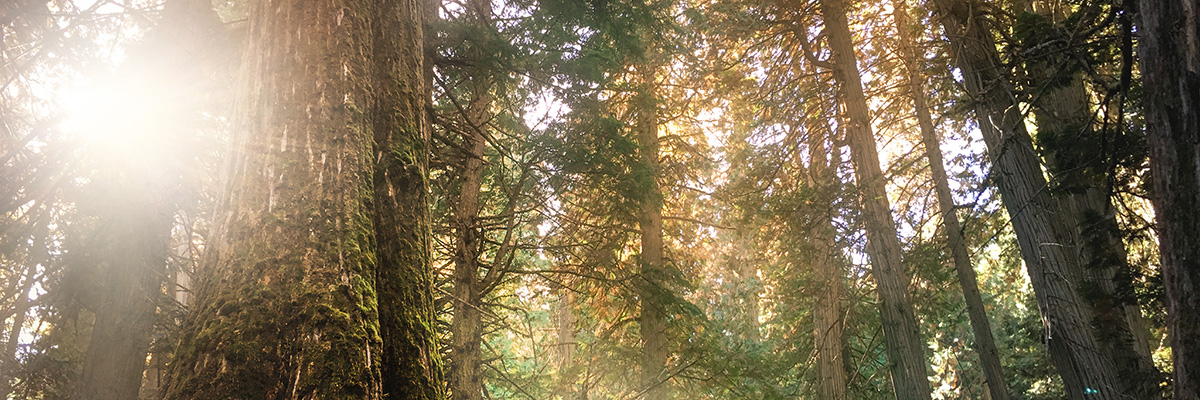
[[653, 316], [905, 349], [1054, 268], [411, 366], [1170, 56], [985, 344], [828, 322], [466, 330], [286, 306]]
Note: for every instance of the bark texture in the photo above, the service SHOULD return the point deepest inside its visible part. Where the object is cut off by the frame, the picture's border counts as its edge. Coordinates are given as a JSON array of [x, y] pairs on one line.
[[1073, 153], [286, 303], [1170, 56], [1054, 268], [411, 366], [985, 344], [905, 349]]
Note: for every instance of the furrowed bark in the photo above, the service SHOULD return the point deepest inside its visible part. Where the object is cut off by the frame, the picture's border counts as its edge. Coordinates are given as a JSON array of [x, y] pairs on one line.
[[828, 322], [411, 365]]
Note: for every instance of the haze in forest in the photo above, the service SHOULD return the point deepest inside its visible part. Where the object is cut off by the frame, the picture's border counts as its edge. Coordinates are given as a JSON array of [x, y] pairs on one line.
[[602, 199]]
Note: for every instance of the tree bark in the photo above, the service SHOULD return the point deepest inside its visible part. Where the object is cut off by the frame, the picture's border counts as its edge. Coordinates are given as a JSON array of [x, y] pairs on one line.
[[1073, 153], [985, 344], [653, 316], [1170, 57], [1054, 268], [905, 349], [329, 164], [466, 330], [411, 365]]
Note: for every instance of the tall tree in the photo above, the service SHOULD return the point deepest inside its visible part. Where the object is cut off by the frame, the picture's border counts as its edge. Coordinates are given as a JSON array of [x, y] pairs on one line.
[[906, 350], [985, 344], [466, 329], [652, 320], [1170, 57], [829, 314], [1054, 270], [135, 204]]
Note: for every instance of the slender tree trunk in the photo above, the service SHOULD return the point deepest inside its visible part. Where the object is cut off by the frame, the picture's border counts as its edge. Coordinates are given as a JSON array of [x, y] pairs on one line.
[[466, 330], [828, 322], [985, 344], [905, 349], [133, 264], [653, 315], [1170, 57], [22, 304], [564, 322], [1054, 269], [411, 365]]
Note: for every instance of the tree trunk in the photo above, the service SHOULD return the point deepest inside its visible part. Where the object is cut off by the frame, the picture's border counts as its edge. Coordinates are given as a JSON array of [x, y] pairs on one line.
[[1072, 150], [133, 264], [828, 322], [135, 226], [466, 330], [985, 344], [905, 349], [286, 304], [1170, 56], [1054, 269], [564, 322], [411, 365], [653, 316]]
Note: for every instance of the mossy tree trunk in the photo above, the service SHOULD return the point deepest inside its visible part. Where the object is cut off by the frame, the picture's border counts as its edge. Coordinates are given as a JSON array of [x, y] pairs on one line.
[[985, 343], [905, 349], [411, 365], [1170, 57], [331, 144]]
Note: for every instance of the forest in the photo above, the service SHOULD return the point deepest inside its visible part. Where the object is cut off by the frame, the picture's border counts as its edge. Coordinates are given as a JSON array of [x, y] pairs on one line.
[[600, 199]]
